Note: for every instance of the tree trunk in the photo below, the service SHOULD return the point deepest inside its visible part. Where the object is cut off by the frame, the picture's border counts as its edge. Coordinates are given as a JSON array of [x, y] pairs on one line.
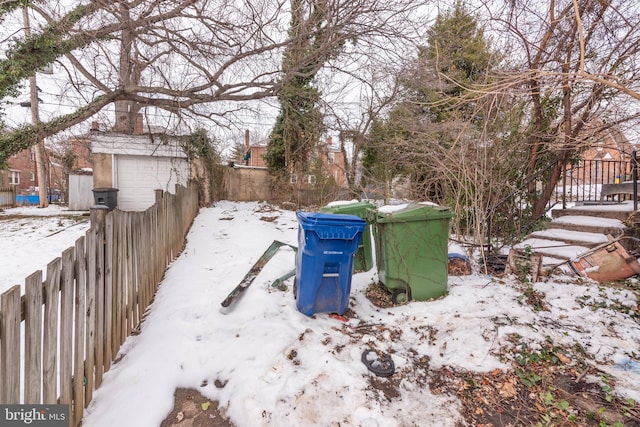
[[41, 174], [39, 147], [351, 164], [540, 204], [126, 111]]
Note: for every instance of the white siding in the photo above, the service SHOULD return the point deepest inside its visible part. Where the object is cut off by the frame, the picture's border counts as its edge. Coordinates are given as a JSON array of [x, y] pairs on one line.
[[136, 145], [136, 178]]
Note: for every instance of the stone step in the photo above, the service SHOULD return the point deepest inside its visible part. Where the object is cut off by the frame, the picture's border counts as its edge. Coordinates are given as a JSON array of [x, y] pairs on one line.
[[555, 265], [588, 224], [571, 237], [552, 249], [575, 232], [620, 211], [547, 265]]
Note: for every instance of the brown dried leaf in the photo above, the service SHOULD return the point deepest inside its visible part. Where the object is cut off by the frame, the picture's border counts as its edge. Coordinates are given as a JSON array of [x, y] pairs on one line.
[[564, 359], [507, 389]]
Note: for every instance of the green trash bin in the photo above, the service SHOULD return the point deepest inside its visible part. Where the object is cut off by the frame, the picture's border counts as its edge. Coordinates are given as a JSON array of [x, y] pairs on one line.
[[363, 259], [412, 249]]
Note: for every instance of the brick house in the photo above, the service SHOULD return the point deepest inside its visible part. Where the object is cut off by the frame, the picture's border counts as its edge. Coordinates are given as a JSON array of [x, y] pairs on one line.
[[332, 159], [76, 155], [607, 159], [21, 173], [254, 153]]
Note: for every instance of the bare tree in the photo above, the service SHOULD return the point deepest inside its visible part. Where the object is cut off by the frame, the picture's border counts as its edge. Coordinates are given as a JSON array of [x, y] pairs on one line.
[[355, 125], [365, 92], [579, 68], [568, 72], [192, 59], [35, 118]]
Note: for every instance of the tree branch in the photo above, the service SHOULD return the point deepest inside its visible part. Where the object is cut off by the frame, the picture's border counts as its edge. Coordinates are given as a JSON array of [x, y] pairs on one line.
[[28, 135]]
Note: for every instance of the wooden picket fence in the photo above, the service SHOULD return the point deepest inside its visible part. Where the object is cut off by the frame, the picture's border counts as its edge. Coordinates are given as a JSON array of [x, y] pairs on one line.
[[93, 297]]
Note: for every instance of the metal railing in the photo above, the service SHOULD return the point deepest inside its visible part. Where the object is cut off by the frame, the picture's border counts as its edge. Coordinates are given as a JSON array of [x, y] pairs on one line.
[[580, 183]]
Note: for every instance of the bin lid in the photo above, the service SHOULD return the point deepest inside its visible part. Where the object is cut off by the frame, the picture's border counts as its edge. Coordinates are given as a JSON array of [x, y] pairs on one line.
[[413, 212], [331, 226], [329, 219], [352, 207]]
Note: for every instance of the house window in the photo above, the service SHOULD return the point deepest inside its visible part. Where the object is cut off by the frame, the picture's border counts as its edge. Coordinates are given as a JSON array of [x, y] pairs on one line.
[[293, 178], [310, 179], [332, 158], [32, 154], [14, 177], [32, 176]]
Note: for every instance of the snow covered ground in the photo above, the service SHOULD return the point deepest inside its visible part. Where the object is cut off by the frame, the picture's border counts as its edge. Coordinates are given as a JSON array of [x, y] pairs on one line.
[[268, 364], [35, 238]]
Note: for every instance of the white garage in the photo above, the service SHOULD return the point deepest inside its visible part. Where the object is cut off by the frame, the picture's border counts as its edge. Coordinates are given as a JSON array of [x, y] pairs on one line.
[[137, 178], [137, 165]]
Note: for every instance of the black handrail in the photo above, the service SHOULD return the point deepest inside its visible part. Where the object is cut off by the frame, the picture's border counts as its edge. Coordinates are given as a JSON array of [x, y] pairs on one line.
[[584, 179], [525, 185], [587, 176], [523, 189]]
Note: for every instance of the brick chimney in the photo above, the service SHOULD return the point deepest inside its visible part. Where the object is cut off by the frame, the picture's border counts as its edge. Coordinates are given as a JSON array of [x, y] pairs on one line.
[[95, 127], [330, 142]]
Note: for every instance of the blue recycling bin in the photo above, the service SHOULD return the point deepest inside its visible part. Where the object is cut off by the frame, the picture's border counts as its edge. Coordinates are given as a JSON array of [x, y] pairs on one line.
[[324, 261]]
